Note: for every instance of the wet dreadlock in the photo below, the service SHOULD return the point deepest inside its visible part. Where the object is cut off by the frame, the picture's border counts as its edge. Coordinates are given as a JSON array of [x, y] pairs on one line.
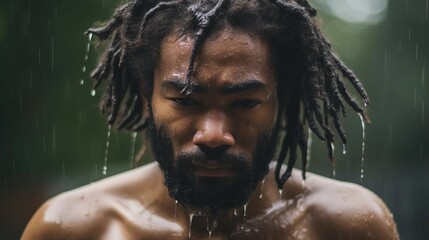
[[313, 70]]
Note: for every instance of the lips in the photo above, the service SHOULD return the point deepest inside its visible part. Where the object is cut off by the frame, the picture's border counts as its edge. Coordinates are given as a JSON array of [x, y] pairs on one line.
[[211, 169]]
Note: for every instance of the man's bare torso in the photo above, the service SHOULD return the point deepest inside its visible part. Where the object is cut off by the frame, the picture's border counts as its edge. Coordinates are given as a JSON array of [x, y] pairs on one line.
[[136, 205]]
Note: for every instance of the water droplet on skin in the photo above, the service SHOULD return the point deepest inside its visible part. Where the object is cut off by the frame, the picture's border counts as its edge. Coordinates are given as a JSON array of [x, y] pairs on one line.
[[363, 147], [93, 92], [106, 153]]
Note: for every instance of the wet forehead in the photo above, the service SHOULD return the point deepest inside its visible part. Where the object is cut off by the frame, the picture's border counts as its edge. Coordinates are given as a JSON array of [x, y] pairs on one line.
[[227, 57]]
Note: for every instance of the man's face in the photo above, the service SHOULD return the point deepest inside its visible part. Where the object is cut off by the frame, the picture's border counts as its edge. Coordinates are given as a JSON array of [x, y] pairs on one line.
[[214, 145]]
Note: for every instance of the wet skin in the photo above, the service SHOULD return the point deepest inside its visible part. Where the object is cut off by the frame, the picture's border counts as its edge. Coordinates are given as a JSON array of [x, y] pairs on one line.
[[235, 101]]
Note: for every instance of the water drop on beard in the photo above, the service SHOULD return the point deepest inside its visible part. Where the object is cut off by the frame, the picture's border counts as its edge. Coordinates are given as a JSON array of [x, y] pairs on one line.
[[191, 216], [363, 146], [106, 153], [175, 209], [211, 225], [262, 188]]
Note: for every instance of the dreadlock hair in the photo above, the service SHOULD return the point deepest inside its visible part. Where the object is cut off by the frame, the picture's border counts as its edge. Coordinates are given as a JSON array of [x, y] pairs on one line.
[[314, 73]]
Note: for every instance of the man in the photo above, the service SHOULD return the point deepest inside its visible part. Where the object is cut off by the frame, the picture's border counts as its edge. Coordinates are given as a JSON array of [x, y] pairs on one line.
[[215, 83]]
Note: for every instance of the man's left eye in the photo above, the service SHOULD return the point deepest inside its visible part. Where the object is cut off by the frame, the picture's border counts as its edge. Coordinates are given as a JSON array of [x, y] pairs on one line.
[[184, 101], [246, 103]]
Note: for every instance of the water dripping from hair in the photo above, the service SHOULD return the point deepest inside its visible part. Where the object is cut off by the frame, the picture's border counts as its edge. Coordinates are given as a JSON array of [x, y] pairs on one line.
[[334, 167], [88, 46], [133, 148], [309, 145], [363, 147], [106, 153]]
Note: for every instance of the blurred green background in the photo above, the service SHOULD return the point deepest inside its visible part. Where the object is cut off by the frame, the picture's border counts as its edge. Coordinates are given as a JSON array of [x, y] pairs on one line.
[[53, 137]]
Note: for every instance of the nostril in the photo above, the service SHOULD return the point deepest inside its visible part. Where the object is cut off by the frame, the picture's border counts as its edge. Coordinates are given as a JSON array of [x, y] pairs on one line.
[[214, 154]]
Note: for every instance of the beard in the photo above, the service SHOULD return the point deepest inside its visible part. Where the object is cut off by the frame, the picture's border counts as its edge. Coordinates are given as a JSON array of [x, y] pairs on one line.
[[214, 193]]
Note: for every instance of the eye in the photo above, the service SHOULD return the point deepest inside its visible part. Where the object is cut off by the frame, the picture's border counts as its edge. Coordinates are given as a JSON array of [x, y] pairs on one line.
[[184, 101], [247, 104]]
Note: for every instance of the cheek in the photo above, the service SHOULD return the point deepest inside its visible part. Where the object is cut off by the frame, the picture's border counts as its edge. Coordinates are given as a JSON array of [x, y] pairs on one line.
[[249, 127], [178, 127]]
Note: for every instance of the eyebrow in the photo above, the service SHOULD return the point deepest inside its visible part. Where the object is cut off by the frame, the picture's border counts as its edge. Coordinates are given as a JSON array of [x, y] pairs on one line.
[[247, 85]]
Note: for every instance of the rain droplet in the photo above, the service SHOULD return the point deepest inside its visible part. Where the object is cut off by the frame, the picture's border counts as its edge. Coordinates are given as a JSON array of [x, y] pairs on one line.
[[84, 69], [52, 53], [281, 192], [363, 146], [415, 96], [409, 34], [427, 4], [417, 51], [423, 112], [423, 77], [93, 92], [106, 153], [81, 82], [133, 147], [344, 149]]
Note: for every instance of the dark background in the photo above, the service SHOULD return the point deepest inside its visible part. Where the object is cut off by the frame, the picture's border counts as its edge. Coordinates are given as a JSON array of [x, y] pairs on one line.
[[53, 137]]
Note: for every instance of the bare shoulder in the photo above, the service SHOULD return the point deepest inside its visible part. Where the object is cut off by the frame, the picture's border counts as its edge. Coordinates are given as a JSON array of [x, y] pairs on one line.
[[348, 210], [86, 212]]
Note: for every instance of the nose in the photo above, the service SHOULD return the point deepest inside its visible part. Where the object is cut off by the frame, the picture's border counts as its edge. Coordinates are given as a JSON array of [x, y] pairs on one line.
[[213, 131]]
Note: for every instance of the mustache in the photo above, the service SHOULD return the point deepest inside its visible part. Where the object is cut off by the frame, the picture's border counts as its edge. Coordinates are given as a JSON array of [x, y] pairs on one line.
[[201, 156]]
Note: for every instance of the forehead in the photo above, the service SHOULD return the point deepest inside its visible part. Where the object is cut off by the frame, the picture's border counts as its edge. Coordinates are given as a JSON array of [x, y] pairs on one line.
[[227, 56]]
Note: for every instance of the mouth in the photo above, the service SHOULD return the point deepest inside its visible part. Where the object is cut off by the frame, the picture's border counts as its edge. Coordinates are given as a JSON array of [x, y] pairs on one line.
[[213, 170]]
